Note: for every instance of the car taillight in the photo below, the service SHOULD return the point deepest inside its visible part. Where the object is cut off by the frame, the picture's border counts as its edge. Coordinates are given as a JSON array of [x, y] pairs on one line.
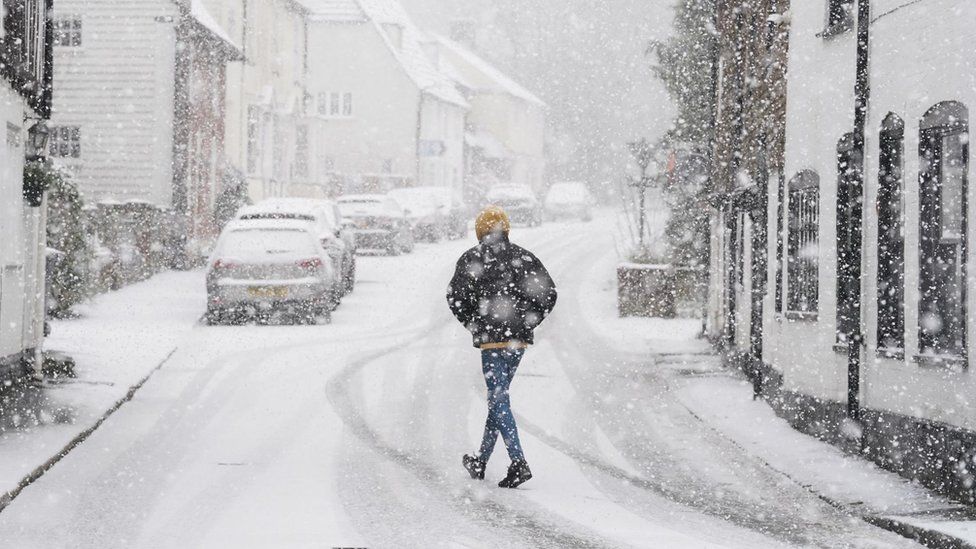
[[222, 264], [310, 264]]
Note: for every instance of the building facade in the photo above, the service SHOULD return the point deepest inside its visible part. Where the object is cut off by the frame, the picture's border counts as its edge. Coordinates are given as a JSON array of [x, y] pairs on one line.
[[138, 115], [866, 313], [386, 116], [505, 132], [25, 100]]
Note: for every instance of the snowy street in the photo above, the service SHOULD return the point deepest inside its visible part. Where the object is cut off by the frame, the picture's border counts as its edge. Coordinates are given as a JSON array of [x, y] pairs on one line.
[[351, 434]]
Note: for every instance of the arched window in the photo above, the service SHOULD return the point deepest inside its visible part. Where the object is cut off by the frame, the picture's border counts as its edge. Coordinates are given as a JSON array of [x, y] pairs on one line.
[[848, 204], [891, 237], [944, 161], [803, 245]]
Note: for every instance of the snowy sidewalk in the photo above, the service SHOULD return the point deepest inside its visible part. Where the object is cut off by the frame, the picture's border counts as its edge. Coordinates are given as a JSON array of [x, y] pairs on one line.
[[723, 400], [116, 341]]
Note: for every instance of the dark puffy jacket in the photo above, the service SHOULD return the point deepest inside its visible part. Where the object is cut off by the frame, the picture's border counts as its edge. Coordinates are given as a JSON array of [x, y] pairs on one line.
[[500, 292]]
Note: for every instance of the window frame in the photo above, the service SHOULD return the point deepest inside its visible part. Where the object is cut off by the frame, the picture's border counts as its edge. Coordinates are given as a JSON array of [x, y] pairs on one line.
[[890, 207], [945, 120], [803, 214], [335, 104], [846, 307], [67, 31], [64, 141], [839, 17]]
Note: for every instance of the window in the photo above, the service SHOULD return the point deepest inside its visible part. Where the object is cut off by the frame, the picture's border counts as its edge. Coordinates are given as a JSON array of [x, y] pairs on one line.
[[336, 104], [65, 142], [253, 138], [803, 245], [944, 160], [67, 31], [301, 151], [780, 215], [848, 212], [891, 238], [840, 16]]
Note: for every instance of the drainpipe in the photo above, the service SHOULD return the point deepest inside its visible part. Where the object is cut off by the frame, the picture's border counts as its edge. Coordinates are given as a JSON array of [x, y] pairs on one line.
[[862, 95]]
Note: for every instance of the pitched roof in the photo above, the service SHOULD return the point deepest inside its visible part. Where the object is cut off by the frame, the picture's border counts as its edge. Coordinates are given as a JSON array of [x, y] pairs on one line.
[[410, 53], [491, 79], [335, 11]]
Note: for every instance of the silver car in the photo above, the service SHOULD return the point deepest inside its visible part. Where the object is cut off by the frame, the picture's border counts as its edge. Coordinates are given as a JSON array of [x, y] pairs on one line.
[[263, 266]]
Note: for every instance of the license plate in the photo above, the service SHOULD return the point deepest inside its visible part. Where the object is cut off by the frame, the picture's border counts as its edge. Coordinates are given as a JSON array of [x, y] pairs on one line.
[[276, 292]]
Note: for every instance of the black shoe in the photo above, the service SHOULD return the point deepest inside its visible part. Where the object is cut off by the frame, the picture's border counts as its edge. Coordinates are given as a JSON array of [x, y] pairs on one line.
[[518, 473], [475, 467]]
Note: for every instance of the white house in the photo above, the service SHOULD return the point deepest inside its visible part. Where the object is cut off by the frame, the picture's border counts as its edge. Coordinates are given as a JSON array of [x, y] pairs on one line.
[[387, 117], [506, 126], [139, 111], [25, 97], [911, 381]]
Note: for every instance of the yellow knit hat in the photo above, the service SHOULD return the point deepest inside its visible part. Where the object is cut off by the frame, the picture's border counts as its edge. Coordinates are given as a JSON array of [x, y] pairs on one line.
[[491, 219]]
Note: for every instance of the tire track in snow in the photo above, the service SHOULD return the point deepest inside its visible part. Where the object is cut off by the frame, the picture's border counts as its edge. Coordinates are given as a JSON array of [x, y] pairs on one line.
[[539, 531], [672, 471]]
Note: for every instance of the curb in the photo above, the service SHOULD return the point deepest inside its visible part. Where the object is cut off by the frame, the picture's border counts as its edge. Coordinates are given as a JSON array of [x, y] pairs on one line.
[[933, 539], [7, 498], [924, 536]]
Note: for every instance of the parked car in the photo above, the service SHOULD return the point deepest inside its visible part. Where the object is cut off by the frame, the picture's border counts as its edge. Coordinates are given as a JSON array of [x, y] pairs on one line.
[[519, 201], [457, 214], [428, 217], [569, 199], [261, 266], [325, 218], [378, 221]]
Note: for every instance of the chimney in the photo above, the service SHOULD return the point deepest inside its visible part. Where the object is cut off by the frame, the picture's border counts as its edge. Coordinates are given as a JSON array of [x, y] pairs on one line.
[[394, 31]]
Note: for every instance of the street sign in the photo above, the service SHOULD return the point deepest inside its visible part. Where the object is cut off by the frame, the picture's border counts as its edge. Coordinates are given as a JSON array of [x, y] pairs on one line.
[[429, 147]]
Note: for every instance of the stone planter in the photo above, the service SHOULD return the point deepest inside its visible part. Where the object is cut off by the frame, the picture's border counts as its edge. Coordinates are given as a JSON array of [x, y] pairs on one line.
[[646, 290]]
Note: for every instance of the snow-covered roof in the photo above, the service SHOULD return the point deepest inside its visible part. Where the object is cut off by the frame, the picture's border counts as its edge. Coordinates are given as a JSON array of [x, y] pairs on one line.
[[335, 11], [202, 16], [492, 78], [409, 51]]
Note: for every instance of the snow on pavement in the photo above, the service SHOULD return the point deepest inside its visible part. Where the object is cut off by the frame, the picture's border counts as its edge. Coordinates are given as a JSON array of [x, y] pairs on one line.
[[350, 434], [117, 339]]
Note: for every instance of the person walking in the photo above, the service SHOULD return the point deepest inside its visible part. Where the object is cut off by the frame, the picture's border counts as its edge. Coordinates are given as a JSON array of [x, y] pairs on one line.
[[500, 292]]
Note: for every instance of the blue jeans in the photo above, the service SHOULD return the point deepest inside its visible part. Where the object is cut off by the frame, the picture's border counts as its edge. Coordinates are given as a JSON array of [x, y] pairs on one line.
[[499, 367]]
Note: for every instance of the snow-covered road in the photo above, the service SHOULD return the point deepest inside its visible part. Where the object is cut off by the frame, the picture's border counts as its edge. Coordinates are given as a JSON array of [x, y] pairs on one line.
[[351, 434]]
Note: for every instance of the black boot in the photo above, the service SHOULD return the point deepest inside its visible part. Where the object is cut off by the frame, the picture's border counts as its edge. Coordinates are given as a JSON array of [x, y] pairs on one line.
[[518, 473], [475, 466]]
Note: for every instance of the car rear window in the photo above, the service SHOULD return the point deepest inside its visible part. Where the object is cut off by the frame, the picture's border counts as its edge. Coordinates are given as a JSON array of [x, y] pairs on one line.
[[362, 207], [267, 243], [278, 215]]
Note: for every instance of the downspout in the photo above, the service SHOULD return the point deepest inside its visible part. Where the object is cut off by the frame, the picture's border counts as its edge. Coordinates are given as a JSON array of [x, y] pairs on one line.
[[862, 95]]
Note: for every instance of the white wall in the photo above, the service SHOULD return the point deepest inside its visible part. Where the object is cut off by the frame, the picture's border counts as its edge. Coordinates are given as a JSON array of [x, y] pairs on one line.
[[20, 288], [819, 111], [118, 87], [354, 58], [444, 122], [922, 54], [939, 65]]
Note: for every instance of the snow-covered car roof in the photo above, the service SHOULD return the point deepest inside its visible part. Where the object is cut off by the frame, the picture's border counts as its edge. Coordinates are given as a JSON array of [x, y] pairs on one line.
[[361, 198]]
